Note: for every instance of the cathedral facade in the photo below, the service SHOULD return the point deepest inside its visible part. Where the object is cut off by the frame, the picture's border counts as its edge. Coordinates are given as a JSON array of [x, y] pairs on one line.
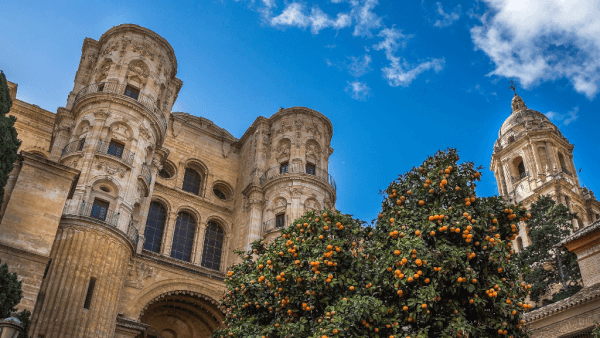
[[121, 216]]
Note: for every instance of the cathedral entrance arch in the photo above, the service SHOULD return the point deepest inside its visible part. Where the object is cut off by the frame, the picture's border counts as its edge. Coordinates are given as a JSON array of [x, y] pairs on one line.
[[180, 314]]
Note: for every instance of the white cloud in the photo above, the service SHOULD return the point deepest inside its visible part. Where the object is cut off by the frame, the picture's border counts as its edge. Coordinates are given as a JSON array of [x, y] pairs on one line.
[[399, 72], [566, 118], [393, 38], [358, 90], [359, 66], [447, 19], [543, 40], [294, 15], [366, 20], [269, 3]]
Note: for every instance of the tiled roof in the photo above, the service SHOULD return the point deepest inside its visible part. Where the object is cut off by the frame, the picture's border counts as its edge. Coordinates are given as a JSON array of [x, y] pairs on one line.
[[586, 294], [580, 233]]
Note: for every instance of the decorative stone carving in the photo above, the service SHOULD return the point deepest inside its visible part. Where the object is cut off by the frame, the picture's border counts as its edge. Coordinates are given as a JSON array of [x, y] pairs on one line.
[[138, 71], [109, 47], [120, 132], [311, 204], [103, 71], [101, 114], [296, 191], [138, 273], [124, 44], [111, 169]]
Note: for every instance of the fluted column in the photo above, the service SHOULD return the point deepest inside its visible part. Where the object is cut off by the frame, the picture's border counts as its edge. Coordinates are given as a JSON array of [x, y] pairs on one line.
[[80, 253]]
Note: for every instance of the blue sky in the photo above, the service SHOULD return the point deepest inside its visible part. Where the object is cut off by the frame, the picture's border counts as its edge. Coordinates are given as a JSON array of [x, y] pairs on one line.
[[398, 79]]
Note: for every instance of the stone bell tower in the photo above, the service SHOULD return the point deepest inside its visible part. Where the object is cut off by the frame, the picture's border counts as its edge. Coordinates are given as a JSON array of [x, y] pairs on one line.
[[531, 157], [112, 131]]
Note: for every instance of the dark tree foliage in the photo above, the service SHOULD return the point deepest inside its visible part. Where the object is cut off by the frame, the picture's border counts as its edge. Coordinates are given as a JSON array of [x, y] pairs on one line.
[[550, 223], [436, 264], [10, 296], [10, 288], [9, 144]]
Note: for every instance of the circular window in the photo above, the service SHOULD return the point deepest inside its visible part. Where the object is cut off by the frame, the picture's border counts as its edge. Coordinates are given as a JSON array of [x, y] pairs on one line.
[[167, 171], [222, 191], [219, 193]]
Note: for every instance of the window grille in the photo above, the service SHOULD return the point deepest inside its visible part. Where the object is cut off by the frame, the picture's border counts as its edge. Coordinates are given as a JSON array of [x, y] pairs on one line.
[[183, 237], [213, 246], [155, 226], [132, 92], [311, 169], [280, 220], [191, 181], [99, 209], [283, 167], [115, 149]]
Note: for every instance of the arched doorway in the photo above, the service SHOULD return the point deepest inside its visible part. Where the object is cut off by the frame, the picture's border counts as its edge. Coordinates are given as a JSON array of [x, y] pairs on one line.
[[181, 314]]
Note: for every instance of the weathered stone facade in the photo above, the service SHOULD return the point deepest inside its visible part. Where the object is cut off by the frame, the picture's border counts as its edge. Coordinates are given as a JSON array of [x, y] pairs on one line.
[[121, 216], [531, 157]]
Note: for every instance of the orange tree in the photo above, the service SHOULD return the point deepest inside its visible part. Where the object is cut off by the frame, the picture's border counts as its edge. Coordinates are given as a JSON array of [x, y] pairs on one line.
[[436, 264], [444, 255], [309, 282]]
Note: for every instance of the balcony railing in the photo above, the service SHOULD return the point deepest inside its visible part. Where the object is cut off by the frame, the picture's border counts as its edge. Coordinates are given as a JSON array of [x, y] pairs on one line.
[[83, 209], [119, 89], [122, 154], [108, 218], [272, 225], [520, 177], [146, 174], [297, 168], [73, 147]]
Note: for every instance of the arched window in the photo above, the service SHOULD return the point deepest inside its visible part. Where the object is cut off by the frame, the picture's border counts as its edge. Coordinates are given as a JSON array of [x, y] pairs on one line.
[[183, 237], [519, 244], [191, 181], [521, 168], [213, 246], [155, 226], [563, 165]]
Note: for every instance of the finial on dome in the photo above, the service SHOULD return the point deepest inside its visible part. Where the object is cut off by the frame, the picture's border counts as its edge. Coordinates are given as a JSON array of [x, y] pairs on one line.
[[517, 103], [512, 86]]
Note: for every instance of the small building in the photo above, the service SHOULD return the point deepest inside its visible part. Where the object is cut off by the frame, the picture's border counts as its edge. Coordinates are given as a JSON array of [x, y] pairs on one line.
[[576, 316]]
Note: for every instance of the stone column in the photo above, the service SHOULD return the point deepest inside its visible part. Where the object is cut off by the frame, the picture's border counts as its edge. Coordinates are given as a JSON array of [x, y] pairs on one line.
[[296, 192], [255, 203], [168, 235], [199, 243]]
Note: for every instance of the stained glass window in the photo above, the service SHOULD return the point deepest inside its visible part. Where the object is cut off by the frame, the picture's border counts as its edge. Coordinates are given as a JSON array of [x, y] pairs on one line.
[[191, 181], [213, 246], [183, 237], [155, 227]]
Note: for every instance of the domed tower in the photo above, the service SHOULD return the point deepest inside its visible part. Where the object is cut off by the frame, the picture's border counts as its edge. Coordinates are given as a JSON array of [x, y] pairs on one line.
[[111, 130], [290, 166], [531, 157]]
